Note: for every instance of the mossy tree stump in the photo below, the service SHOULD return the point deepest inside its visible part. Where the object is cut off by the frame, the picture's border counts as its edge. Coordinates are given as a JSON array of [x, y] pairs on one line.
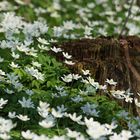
[[108, 57]]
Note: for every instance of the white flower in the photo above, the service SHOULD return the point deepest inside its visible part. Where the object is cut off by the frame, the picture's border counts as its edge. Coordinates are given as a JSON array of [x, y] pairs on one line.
[[111, 82], [56, 50], [75, 118], [116, 137], [2, 72], [23, 117], [137, 103], [126, 134], [43, 47], [5, 136], [11, 23], [72, 134], [57, 31], [88, 122], [103, 87], [20, 2], [26, 103], [29, 92], [41, 137], [43, 41], [67, 78], [110, 127], [66, 55], [76, 76], [88, 31], [9, 91], [61, 108], [16, 56], [93, 83], [12, 115], [35, 73], [96, 130], [43, 104], [43, 109], [118, 94], [13, 65], [1, 59], [27, 134], [77, 99], [68, 25], [2, 102], [83, 92], [57, 114], [48, 122], [23, 48], [6, 125], [36, 64], [69, 62], [128, 98], [86, 72]]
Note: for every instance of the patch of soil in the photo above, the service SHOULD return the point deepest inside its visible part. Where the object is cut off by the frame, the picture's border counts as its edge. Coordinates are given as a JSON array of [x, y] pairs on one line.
[[108, 57]]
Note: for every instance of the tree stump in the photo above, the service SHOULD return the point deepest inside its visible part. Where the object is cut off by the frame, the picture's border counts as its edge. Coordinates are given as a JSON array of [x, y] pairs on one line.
[[108, 57]]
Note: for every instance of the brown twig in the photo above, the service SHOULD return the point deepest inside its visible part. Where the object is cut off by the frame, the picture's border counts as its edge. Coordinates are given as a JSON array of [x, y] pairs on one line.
[[127, 18]]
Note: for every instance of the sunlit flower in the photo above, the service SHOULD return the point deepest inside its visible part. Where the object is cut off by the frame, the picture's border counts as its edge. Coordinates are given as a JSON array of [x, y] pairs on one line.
[[72, 134], [118, 94], [57, 114], [41, 137], [43, 109], [76, 76], [111, 82], [6, 125], [5, 136], [56, 50], [43, 41], [43, 47], [86, 72], [137, 103], [93, 83], [13, 65], [66, 55], [128, 98], [69, 62], [2, 102], [27, 134], [48, 122], [2, 73], [36, 64], [35, 73], [75, 118], [15, 56], [23, 117], [67, 78]]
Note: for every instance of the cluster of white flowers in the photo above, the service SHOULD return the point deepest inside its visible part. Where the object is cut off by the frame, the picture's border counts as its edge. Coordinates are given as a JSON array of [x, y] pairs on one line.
[[6, 126], [35, 73]]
